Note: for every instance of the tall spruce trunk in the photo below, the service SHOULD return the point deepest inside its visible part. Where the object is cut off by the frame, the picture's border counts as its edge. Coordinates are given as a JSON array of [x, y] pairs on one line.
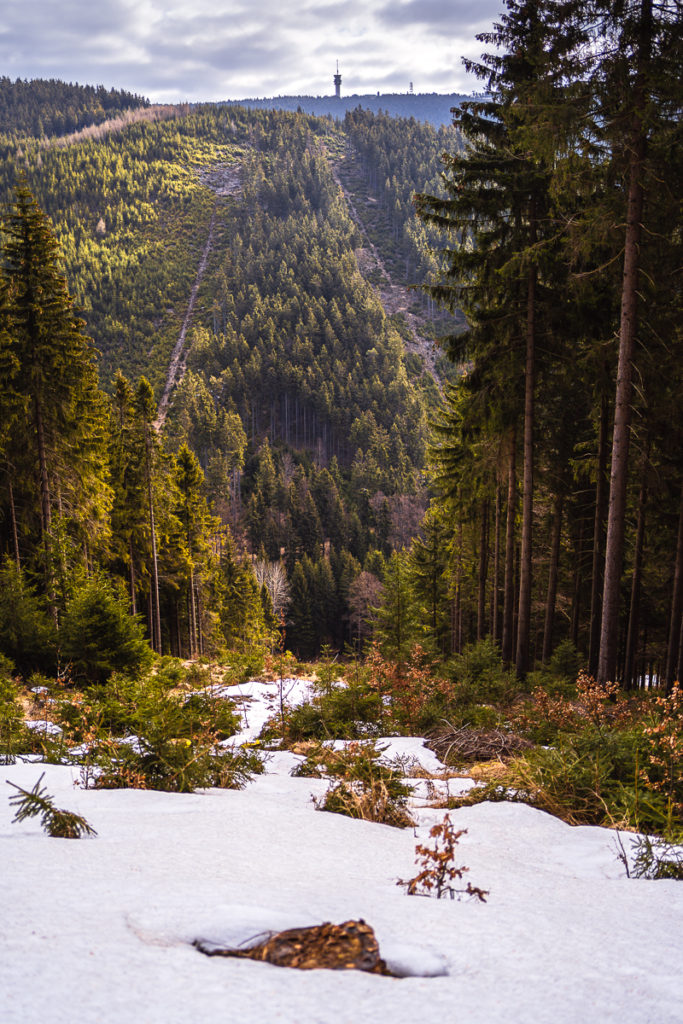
[[614, 550], [13, 522], [133, 599], [483, 570], [458, 596], [634, 607], [578, 579], [496, 569], [598, 538], [672, 672], [525, 569], [45, 508], [509, 582], [154, 594], [551, 596]]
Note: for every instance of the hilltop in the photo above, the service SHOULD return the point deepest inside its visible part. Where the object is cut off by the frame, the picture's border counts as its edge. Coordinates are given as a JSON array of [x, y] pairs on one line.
[[433, 107]]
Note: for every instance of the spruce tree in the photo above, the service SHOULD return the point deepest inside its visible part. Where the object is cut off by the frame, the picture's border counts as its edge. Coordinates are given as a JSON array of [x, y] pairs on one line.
[[499, 194], [54, 378]]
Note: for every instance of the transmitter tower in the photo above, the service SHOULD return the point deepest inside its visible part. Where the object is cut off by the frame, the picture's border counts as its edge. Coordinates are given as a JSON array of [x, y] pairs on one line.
[[337, 83]]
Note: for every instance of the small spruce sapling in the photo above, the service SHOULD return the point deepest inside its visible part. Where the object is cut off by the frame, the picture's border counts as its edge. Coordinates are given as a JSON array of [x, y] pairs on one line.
[[56, 822], [439, 873]]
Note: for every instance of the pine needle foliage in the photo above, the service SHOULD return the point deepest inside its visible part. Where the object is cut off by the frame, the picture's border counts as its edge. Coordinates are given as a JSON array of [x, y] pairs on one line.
[[59, 823]]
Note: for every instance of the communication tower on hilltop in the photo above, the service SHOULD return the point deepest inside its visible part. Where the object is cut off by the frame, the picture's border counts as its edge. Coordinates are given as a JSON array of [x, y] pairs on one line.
[[337, 83]]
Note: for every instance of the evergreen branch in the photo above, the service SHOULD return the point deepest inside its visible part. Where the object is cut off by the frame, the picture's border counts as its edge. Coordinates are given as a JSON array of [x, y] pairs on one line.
[[57, 822]]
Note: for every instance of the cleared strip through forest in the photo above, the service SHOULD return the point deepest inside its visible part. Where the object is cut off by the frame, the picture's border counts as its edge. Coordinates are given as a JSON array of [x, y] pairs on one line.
[[176, 368], [156, 112], [395, 298]]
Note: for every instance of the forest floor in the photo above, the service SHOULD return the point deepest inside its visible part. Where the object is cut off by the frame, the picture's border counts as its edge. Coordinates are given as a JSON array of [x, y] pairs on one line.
[[102, 929]]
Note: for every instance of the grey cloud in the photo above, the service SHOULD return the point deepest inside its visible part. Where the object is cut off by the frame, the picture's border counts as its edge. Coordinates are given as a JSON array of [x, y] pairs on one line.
[[460, 16], [177, 49]]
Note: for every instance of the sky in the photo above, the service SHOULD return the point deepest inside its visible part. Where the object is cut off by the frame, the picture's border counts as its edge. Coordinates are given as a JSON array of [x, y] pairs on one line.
[[176, 50]]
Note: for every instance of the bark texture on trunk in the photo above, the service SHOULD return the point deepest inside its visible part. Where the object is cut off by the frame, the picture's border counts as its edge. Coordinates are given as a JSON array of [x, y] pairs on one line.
[[614, 550], [556, 536], [634, 607], [509, 584], [525, 569], [598, 539], [672, 671], [483, 570], [154, 596], [45, 507], [495, 593]]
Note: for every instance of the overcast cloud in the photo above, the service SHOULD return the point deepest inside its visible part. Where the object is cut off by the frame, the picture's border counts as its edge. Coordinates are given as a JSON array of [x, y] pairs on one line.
[[172, 50]]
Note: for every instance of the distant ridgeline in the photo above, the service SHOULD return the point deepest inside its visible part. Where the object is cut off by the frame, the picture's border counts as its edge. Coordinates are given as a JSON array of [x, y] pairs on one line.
[[432, 106], [49, 107]]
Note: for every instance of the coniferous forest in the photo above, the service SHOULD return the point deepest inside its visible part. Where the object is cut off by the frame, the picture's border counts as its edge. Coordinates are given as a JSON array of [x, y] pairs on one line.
[[368, 390]]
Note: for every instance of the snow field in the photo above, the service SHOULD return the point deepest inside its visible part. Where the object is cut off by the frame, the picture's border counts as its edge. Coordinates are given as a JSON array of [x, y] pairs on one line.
[[99, 930]]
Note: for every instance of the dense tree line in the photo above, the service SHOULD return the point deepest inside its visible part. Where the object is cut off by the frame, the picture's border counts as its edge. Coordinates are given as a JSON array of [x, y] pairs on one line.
[[397, 157], [130, 212], [432, 108], [564, 228], [43, 107], [296, 436]]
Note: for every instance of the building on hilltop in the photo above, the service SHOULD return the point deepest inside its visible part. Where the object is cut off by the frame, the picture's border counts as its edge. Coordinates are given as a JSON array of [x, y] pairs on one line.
[[337, 83]]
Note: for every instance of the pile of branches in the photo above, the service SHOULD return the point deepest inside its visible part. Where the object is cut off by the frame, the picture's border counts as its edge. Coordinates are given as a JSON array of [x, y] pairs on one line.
[[463, 746]]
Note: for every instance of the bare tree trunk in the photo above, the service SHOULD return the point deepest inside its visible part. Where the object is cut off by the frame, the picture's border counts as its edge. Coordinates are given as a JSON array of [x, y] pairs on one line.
[[200, 639], [13, 521], [524, 619], [496, 568], [509, 583], [133, 597], [672, 672], [45, 509], [576, 599], [194, 635], [614, 551], [634, 607], [458, 594], [551, 596], [483, 570], [598, 539], [154, 592]]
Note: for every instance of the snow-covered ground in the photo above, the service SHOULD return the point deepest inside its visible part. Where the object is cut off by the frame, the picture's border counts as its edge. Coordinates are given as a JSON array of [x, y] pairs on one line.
[[100, 930]]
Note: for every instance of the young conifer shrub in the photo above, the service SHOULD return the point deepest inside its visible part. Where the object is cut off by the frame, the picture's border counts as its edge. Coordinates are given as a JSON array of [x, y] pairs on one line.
[[651, 857], [366, 787], [12, 729], [55, 821]]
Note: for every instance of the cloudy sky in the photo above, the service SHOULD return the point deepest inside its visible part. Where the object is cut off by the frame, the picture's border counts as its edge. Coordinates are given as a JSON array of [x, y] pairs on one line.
[[173, 50]]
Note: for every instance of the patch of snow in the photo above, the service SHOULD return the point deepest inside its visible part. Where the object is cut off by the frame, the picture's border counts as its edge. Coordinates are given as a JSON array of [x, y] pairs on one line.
[[106, 929], [408, 961], [101, 930], [258, 701], [42, 725]]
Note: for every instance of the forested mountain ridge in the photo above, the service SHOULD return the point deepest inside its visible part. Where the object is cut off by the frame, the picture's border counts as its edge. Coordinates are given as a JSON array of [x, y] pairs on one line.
[[288, 346], [489, 558], [40, 108], [432, 108], [304, 410]]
